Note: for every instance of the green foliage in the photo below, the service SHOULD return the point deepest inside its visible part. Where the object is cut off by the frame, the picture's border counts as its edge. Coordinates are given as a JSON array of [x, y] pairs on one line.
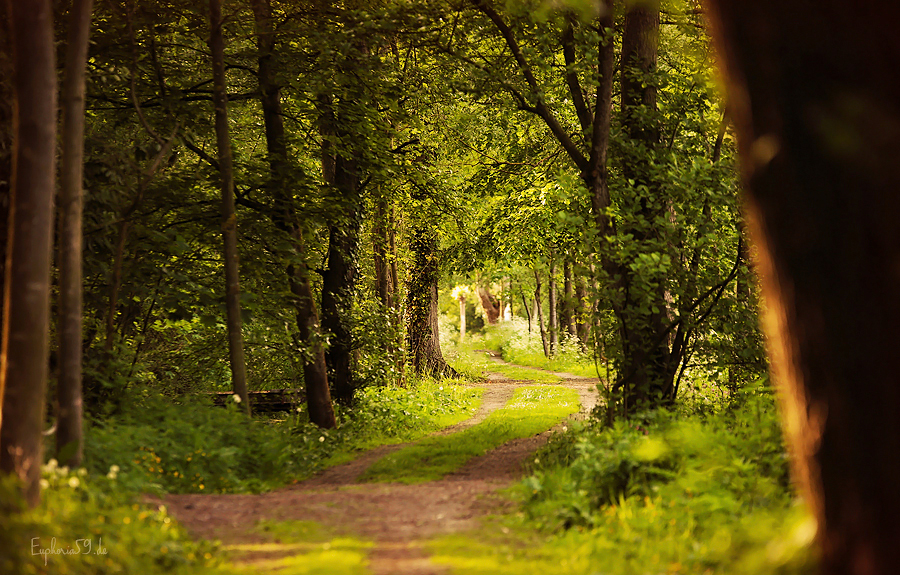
[[91, 524], [667, 494], [195, 447], [530, 411]]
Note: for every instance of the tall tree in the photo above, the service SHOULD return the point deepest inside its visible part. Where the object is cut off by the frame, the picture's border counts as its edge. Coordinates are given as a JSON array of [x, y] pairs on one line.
[[814, 91], [26, 295], [70, 205], [318, 394], [229, 219]]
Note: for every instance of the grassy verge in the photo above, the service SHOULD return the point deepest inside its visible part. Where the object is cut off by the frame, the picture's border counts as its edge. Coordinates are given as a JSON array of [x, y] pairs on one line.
[[530, 411], [197, 448], [665, 495]]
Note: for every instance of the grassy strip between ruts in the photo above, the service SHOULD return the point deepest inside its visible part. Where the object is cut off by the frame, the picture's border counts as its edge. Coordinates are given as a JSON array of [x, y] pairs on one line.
[[531, 410]]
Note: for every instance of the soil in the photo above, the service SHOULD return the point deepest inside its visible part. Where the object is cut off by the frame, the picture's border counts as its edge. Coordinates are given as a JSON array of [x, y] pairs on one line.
[[398, 518]]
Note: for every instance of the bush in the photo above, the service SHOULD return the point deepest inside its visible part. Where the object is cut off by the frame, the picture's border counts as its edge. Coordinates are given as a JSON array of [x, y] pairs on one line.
[[703, 493]]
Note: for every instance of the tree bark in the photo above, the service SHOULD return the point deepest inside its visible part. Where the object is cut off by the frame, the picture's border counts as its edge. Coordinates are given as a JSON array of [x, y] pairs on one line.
[[229, 219], [318, 395], [69, 323], [6, 139], [381, 243], [814, 91], [423, 339], [525, 307], [26, 301]]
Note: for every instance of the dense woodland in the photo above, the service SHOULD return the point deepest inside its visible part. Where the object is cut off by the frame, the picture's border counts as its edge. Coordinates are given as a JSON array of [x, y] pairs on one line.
[[203, 201]]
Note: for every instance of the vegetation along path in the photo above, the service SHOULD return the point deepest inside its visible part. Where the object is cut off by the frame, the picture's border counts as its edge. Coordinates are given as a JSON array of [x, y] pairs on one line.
[[381, 508]]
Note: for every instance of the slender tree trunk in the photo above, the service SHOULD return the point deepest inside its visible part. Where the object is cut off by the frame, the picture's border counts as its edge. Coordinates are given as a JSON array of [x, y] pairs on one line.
[[583, 311], [381, 244], [552, 306], [318, 395], [229, 219], [6, 139], [423, 340], [69, 324], [525, 307], [816, 105], [26, 299], [462, 317], [339, 279], [568, 303], [540, 313]]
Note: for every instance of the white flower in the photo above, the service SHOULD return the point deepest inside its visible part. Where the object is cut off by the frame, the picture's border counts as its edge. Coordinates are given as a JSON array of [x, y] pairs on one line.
[[74, 482], [52, 464], [44, 484], [82, 472], [111, 475], [114, 469], [236, 398], [321, 438]]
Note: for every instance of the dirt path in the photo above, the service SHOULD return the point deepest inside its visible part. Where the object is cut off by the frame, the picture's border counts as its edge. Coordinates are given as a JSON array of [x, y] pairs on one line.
[[398, 518]]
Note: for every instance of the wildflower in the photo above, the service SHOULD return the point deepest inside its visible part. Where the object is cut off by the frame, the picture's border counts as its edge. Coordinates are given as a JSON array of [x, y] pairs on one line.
[[74, 482], [52, 464], [236, 398], [321, 439], [201, 486], [82, 472], [44, 484], [114, 469]]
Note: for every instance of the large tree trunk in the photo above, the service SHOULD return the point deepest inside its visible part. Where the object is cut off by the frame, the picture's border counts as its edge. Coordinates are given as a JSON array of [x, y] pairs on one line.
[[318, 395], [423, 341], [814, 90], [647, 376], [69, 325], [229, 219], [26, 301]]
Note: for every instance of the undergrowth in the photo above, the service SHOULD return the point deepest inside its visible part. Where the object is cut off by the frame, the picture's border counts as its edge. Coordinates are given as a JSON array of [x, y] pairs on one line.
[[531, 410], [193, 447], [662, 494]]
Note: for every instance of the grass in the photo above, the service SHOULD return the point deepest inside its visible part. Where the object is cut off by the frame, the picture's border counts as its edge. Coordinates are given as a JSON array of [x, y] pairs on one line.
[[531, 410], [299, 548], [193, 447]]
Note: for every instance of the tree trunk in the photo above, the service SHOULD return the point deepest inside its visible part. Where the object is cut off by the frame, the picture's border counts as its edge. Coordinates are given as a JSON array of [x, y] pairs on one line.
[[318, 395], [339, 281], [552, 307], [567, 308], [23, 371], [647, 377], [489, 304], [462, 317], [525, 307], [6, 139], [540, 313], [815, 96], [583, 311], [69, 323], [381, 244], [423, 340], [229, 219]]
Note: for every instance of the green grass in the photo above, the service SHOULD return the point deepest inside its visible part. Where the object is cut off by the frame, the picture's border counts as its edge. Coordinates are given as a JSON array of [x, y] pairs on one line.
[[523, 373], [197, 448], [531, 410], [298, 548]]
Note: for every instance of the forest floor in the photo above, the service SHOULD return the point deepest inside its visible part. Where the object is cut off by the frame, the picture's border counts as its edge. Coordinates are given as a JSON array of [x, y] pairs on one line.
[[399, 519]]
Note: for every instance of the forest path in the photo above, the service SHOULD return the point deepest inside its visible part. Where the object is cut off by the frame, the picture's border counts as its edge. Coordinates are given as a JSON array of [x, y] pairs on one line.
[[398, 518]]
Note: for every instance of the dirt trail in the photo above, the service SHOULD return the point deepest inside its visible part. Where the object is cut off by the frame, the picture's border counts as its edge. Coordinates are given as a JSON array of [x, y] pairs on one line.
[[398, 518]]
